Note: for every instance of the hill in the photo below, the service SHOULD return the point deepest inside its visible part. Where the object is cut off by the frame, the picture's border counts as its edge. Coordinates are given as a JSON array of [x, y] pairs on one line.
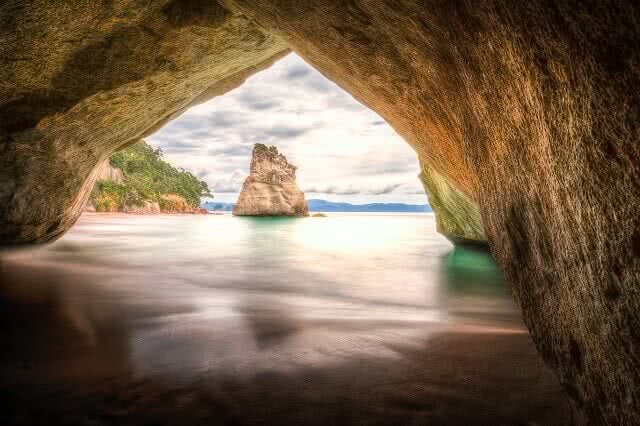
[[144, 179]]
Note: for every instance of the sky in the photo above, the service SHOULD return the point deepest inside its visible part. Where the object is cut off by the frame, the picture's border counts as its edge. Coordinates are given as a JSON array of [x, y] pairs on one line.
[[343, 151]]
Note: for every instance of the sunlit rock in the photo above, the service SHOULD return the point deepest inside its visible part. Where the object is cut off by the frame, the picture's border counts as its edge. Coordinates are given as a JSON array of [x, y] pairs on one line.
[[107, 172], [270, 189], [457, 216]]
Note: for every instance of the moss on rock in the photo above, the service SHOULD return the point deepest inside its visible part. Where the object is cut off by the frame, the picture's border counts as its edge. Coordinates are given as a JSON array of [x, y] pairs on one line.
[[457, 216]]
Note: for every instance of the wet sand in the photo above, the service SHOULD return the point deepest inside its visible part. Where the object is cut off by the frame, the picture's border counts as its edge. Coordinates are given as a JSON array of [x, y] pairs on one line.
[[80, 349]]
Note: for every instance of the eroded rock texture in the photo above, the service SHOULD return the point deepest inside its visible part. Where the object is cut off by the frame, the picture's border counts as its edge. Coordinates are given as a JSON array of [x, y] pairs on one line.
[[80, 79], [270, 189], [457, 215], [529, 108]]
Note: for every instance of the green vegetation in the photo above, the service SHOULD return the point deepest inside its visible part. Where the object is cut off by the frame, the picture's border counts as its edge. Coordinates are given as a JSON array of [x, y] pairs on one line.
[[263, 147], [147, 177]]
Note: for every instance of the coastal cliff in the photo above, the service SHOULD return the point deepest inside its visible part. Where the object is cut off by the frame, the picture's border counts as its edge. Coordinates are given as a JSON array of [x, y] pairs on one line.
[[270, 189], [137, 180]]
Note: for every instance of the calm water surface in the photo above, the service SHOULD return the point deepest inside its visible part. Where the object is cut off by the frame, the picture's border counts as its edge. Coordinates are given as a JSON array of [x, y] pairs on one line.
[[352, 318]]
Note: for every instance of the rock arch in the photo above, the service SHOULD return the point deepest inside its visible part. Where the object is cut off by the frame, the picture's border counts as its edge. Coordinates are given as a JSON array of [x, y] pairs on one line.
[[530, 109]]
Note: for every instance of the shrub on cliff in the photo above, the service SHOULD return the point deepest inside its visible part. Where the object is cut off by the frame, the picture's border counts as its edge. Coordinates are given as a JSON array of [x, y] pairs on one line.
[[147, 177], [174, 203]]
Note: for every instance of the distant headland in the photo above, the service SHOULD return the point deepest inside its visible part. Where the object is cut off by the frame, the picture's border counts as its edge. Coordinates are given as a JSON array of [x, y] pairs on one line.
[[317, 205], [137, 180]]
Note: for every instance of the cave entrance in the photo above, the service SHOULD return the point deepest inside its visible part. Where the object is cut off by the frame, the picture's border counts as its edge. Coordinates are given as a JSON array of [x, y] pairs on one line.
[[344, 152]]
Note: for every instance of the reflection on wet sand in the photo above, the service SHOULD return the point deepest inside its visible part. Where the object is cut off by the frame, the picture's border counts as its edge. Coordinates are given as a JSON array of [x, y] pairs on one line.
[[80, 349]]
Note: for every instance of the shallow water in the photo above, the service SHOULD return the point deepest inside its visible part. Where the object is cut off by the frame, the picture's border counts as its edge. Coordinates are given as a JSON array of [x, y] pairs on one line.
[[356, 318]]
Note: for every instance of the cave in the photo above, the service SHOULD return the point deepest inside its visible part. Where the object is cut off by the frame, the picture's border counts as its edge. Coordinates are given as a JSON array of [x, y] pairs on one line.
[[527, 112]]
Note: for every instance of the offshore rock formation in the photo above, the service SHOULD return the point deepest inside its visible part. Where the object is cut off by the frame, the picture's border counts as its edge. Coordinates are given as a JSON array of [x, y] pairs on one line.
[[529, 108], [270, 189], [457, 215]]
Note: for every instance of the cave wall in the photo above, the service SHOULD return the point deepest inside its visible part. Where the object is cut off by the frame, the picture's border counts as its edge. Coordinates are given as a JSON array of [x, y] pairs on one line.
[[81, 79], [457, 215], [528, 108]]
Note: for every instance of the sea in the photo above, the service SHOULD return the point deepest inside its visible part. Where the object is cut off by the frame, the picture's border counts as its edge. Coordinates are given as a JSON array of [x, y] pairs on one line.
[[352, 318]]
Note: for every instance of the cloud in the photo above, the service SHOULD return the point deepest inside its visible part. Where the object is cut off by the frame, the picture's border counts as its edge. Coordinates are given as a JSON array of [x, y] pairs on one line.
[[319, 84], [230, 150], [352, 190], [182, 146], [231, 183], [335, 190], [391, 166], [386, 189], [285, 132], [223, 119], [298, 71], [257, 103]]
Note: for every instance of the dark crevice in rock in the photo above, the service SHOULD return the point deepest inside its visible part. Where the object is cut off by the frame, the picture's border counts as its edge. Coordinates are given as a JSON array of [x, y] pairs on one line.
[[195, 12]]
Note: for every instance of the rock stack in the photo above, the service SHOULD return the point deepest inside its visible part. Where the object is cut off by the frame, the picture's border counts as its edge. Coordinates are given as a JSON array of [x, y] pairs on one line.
[[270, 189]]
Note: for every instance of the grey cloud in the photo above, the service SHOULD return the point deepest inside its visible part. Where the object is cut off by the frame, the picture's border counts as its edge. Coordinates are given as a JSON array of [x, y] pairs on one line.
[[230, 184], [262, 105], [318, 83], [203, 133], [298, 71], [385, 190], [224, 119], [257, 103], [347, 103], [284, 132], [233, 150], [333, 190], [181, 146], [400, 164], [215, 120]]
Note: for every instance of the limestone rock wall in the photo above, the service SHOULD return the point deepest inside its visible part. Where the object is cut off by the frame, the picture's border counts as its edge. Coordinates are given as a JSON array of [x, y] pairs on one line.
[[457, 215], [270, 189], [106, 171]]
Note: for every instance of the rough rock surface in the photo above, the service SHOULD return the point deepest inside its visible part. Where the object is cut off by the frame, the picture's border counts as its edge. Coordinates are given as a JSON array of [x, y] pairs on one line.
[[106, 171], [529, 108], [457, 215], [147, 207], [270, 189]]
